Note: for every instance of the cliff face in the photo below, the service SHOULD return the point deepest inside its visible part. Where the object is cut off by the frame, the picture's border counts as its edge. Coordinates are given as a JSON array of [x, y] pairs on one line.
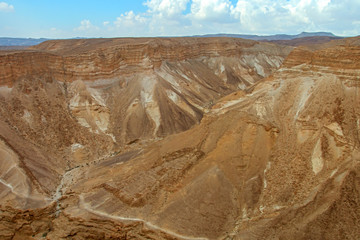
[[96, 59], [181, 139], [77, 101], [278, 161]]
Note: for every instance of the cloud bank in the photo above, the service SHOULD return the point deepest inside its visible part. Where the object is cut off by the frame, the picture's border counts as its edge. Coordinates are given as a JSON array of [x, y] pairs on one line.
[[5, 7], [191, 17]]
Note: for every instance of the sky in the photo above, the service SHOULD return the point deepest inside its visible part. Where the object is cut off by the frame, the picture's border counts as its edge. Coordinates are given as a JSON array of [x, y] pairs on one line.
[[149, 18]]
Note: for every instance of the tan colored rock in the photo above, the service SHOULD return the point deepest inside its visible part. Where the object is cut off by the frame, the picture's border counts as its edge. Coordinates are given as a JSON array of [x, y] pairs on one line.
[[197, 145]]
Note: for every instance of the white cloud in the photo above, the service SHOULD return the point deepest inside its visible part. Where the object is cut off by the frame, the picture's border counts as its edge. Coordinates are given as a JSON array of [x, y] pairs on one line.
[[128, 24], [85, 25], [129, 19], [5, 7], [87, 29], [192, 17], [211, 10], [166, 17], [268, 16], [166, 8], [323, 4]]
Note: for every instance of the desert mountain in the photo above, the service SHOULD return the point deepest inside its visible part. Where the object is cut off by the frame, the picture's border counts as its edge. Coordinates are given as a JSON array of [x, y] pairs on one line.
[[305, 41], [26, 42], [182, 138], [275, 37]]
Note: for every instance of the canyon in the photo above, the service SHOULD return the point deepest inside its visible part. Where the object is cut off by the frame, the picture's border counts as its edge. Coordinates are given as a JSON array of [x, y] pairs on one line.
[[180, 138]]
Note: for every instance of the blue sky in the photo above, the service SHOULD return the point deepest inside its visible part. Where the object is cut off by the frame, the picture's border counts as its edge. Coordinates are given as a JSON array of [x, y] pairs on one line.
[[135, 18]]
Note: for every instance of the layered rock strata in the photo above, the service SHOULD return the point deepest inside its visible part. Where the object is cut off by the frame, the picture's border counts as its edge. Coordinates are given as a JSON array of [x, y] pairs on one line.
[[215, 146]]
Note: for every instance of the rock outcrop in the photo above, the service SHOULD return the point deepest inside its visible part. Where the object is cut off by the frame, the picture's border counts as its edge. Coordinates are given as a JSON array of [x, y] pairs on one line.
[[181, 139], [77, 101]]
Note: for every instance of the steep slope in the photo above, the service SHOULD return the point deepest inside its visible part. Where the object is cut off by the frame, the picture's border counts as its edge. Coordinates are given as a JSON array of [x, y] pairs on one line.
[[281, 161], [278, 159], [110, 85], [77, 101]]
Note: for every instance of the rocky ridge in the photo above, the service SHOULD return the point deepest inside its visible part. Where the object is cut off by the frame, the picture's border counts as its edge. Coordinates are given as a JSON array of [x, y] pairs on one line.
[[275, 154], [74, 105]]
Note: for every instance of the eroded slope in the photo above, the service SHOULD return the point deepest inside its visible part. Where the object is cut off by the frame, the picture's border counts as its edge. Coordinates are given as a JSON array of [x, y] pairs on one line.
[[75, 102], [281, 161], [278, 159]]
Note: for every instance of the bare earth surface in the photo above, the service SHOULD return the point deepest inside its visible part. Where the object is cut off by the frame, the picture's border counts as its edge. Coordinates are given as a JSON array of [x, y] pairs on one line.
[[180, 138]]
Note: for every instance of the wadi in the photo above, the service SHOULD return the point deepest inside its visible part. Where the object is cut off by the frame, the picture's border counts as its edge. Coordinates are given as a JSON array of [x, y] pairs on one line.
[[180, 138]]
